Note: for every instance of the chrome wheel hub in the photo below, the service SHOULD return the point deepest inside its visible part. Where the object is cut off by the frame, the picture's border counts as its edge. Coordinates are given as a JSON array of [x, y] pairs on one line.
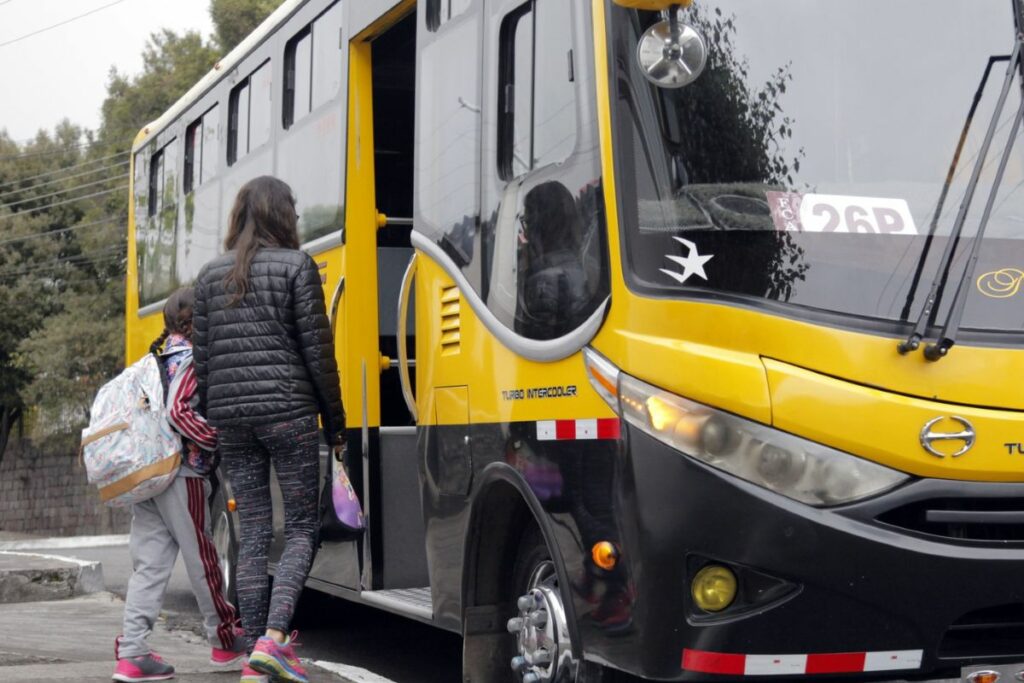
[[543, 648]]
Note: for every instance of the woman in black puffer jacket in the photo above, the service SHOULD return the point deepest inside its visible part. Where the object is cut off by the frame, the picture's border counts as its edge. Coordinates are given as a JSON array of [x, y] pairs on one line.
[[265, 367]]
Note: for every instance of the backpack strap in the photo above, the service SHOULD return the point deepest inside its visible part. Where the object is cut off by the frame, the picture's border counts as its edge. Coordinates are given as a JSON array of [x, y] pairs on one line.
[[163, 372]]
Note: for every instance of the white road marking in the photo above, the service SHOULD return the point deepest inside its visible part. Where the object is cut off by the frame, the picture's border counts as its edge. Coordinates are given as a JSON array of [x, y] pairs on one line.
[[353, 673], [65, 543]]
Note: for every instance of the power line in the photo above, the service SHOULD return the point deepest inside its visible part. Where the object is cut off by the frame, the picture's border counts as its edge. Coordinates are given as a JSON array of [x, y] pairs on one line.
[[49, 233], [60, 192], [60, 170], [64, 150], [36, 186], [104, 254], [66, 201], [62, 23]]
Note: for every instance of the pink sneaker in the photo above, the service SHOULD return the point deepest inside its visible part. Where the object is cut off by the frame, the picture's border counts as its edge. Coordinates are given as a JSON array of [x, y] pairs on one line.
[[144, 668], [249, 675], [278, 660], [235, 654]]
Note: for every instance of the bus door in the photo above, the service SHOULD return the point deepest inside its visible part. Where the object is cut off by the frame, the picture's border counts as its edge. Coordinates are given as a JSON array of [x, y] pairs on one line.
[[395, 567]]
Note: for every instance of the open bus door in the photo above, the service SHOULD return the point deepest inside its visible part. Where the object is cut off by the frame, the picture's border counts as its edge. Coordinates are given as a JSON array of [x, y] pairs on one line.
[[390, 570]]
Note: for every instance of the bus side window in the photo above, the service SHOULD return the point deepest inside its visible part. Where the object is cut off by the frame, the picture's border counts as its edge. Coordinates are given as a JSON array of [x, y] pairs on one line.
[[537, 98], [156, 183], [201, 150], [312, 66], [249, 113], [439, 12], [298, 72], [554, 99], [326, 57]]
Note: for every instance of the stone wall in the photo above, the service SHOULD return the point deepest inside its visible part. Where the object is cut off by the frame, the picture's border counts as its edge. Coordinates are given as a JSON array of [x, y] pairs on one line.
[[46, 493]]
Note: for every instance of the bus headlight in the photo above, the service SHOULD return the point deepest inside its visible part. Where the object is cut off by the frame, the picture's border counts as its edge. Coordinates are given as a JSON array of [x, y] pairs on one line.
[[792, 466]]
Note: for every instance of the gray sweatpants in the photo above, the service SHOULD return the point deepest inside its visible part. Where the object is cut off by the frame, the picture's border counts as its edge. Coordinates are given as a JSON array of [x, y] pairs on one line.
[[175, 520]]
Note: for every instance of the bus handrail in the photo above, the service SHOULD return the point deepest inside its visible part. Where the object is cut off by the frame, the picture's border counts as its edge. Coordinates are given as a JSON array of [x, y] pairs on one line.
[[403, 356]]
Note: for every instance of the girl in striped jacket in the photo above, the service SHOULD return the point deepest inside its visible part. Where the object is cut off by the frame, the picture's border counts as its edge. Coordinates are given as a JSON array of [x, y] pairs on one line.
[[176, 520]]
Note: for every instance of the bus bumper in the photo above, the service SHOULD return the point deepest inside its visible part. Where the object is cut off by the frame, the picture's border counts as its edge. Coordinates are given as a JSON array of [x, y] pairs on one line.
[[821, 591]]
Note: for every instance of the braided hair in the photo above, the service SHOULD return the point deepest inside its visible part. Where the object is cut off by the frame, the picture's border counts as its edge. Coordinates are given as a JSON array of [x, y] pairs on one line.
[[177, 317]]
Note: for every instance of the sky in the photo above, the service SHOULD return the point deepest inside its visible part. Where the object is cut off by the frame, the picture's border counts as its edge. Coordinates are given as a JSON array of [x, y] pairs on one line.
[[63, 72]]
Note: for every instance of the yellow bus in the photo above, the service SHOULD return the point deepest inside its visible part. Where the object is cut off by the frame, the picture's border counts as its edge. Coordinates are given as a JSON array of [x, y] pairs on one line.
[[678, 341]]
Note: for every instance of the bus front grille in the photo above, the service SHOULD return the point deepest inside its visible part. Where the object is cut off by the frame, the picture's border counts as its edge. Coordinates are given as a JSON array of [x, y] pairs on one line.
[[985, 520]]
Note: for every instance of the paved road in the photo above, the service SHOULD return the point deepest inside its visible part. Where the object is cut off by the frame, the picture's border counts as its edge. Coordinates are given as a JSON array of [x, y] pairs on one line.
[[332, 629]]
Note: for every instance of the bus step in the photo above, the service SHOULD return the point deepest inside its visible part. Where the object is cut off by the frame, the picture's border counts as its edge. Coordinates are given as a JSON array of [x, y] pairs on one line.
[[412, 602]]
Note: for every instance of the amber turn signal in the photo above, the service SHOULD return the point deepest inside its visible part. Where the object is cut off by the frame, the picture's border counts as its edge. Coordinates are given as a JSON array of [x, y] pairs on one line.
[[605, 555], [232, 505], [983, 677]]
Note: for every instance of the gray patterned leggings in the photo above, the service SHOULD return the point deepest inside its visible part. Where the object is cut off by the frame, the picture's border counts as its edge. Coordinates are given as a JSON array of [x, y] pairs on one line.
[[294, 449]]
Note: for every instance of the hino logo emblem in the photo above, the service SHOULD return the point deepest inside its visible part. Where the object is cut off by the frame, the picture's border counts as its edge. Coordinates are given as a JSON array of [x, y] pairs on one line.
[[929, 438]]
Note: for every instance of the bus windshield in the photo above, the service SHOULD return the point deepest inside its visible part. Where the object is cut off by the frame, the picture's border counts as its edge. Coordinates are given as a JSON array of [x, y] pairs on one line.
[[802, 170]]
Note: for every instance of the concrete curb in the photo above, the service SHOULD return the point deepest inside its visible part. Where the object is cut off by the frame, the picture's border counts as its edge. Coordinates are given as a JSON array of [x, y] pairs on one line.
[[64, 542], [31, 577]]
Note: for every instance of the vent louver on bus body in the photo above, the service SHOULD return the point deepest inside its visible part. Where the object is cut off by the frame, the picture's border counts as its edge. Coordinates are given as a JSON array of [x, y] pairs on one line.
[[451, 335]]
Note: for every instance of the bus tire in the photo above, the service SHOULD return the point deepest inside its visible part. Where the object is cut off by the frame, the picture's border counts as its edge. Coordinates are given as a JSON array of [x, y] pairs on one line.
[[225, 541], [538, 607]]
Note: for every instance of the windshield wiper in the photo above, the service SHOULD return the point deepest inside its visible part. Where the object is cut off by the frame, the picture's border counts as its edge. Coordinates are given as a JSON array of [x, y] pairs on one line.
[[947, 339], [950, 176]]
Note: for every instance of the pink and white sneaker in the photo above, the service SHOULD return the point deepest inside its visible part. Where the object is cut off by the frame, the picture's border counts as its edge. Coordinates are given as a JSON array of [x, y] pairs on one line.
[[143, 668], [278, 660], [234, 655]]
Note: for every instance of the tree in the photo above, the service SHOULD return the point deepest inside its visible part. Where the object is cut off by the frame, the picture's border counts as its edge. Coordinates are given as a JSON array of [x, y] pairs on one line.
[[171, 64], [235, 19], [35, 252], [62, 246]]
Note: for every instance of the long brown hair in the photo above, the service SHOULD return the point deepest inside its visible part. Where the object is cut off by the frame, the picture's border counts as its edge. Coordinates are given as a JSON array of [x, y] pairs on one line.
[[263, 216], [177, 316]]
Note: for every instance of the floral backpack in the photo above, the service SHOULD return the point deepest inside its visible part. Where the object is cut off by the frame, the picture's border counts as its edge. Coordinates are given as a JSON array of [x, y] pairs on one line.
[[130, 451]]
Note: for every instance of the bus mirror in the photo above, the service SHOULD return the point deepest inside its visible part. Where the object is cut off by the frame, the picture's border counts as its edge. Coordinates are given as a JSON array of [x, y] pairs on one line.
[[671, 54]]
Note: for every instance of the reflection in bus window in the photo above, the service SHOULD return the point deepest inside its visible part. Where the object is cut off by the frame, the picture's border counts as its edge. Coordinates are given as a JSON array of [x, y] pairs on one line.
[[326, 79], [447, 175], [249, 119], [554, 294], [298, 71], [140, 185], [155, 234]]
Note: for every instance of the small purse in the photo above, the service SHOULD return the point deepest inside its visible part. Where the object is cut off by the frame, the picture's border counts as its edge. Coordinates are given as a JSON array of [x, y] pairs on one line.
[[341, 515]]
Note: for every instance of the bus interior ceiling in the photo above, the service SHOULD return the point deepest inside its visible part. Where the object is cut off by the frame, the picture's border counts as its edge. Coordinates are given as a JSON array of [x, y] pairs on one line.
[[394, 101]]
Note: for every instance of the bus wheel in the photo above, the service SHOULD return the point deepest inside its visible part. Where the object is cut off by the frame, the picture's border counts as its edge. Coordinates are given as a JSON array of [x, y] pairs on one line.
[[226, 544], [543, 650]]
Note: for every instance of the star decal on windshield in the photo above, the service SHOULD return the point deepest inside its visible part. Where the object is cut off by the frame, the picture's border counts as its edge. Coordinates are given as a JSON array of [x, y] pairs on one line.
[[692, 263]]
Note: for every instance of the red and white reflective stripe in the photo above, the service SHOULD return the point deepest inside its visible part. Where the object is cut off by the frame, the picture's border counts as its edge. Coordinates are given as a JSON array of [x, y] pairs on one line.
[[567, 430], [796, 665]]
